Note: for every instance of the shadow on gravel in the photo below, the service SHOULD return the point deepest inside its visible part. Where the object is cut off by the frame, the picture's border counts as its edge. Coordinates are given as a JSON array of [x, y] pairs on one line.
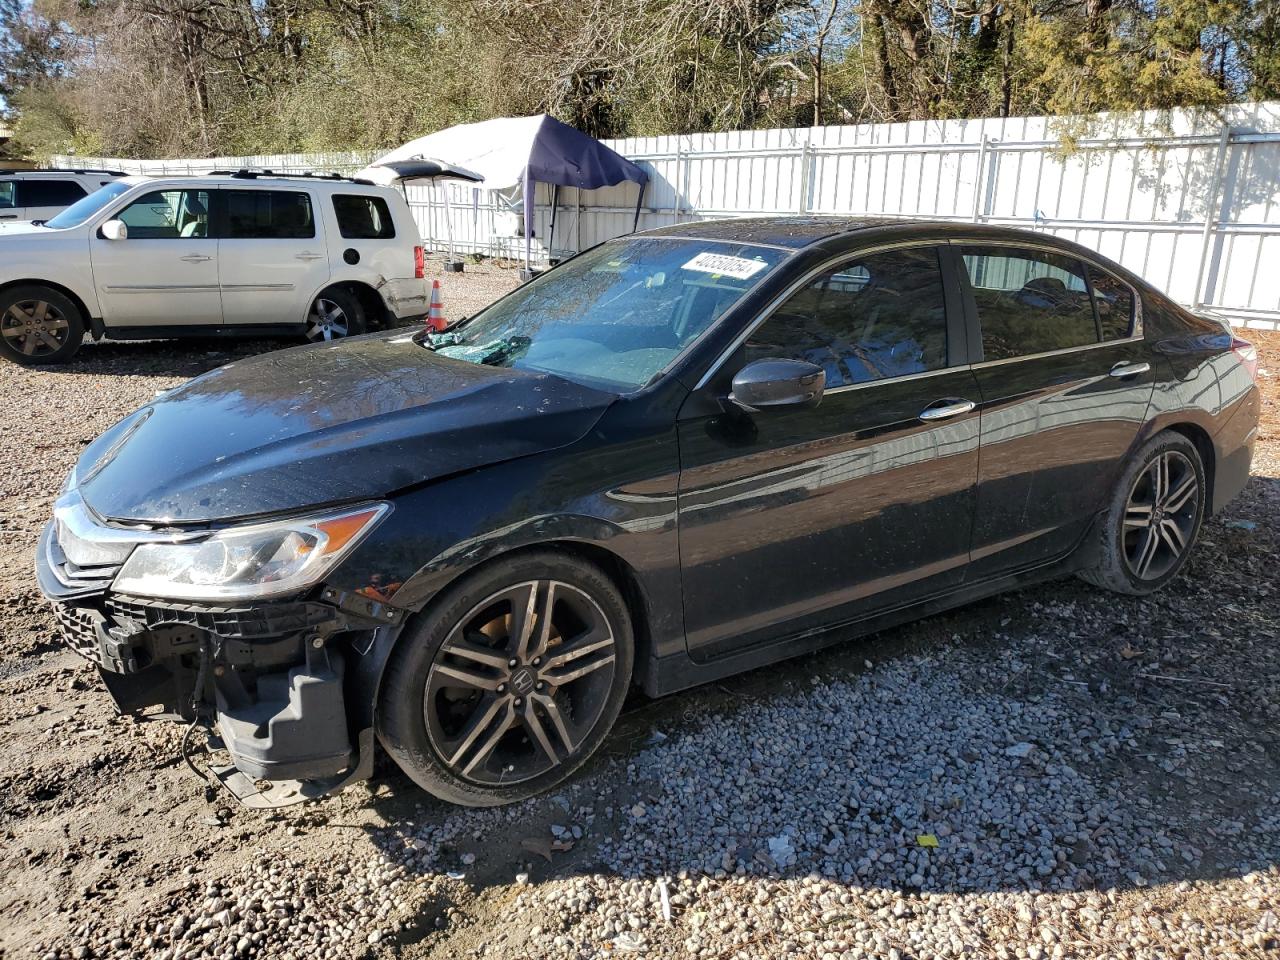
[[165, 358], [1054, 739]]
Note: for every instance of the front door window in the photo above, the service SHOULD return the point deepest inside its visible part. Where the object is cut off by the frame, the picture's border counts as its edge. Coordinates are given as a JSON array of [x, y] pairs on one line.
[[168, 215], [878, 317]]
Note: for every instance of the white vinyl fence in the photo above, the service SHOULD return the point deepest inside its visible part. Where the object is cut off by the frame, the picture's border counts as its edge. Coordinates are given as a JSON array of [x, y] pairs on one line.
[[1189, 200]]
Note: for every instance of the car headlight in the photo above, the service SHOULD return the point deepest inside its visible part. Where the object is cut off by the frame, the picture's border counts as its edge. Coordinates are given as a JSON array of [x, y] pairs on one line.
[[248, 562]]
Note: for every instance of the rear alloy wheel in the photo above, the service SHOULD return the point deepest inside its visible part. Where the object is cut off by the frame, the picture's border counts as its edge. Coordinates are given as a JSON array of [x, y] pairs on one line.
[[1154, 518], [1161, 516], [39, 325], [511, 683], [333, 315]]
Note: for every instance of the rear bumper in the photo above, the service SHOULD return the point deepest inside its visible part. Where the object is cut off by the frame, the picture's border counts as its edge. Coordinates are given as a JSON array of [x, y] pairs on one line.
[[276, 674], [1234, 445], [405, 299]]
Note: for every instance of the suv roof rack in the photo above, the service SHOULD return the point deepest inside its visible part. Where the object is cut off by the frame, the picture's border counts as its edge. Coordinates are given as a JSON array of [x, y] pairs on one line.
[[110, 173], [245, 174]]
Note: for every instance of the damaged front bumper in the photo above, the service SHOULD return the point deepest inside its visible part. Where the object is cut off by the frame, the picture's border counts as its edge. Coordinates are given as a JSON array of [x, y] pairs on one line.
[[290, 684]]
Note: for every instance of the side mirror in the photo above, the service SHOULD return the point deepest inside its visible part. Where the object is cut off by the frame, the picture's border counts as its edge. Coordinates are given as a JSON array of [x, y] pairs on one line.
[[764, 384], [115, 230]]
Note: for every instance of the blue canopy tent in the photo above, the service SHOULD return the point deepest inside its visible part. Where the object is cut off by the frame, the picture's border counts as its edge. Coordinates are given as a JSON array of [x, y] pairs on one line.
[[520, 152]]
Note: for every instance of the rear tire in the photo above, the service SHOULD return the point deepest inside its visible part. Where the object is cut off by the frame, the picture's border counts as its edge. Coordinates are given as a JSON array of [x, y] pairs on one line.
[[39, 325], [510, 681], [335, 314], [1153, 519]]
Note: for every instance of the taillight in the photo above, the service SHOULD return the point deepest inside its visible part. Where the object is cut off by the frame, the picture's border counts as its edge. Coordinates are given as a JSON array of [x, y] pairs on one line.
[[419, 264], [1247, 354]]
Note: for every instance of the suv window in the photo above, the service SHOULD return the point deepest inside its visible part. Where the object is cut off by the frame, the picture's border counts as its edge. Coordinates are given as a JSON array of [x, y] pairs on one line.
[[880, 316], [1028, 301], [363, 218], [8, 195], [168, 215], [268, 215], [1114, 300], [49, 193]]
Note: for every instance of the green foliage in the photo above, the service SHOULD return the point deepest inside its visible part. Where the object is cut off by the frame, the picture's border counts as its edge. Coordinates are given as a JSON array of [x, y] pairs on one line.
[[200, 77]]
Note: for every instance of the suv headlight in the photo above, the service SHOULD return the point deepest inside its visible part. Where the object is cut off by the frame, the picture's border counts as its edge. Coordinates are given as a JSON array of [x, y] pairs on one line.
[[248, 562]]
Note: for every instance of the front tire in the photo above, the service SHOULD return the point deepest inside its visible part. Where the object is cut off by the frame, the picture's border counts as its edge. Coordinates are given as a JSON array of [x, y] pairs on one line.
[[1153, 519], [39, 325], [510, 681], [335, 314]]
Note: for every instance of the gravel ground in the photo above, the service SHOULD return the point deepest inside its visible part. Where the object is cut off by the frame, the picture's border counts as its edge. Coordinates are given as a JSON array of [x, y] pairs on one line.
[[1051, 773]]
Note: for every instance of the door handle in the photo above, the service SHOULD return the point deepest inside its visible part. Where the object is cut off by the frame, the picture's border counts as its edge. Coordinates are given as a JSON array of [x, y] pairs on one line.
[[308, 255], [1126, 369], [8, 216], [949, 407], [195, 258]]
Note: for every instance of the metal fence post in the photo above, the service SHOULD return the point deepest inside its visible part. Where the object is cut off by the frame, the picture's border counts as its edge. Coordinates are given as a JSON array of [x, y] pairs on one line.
[[677, 182], [979, 181], [1211, 215], [806, 158]]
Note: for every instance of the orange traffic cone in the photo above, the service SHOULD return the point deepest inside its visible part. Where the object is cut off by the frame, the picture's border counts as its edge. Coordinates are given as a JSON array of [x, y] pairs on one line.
[[435, 314]]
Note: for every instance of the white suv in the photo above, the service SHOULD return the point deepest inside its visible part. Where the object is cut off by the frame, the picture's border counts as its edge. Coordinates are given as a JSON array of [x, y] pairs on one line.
[[227, 253], [41, 194]]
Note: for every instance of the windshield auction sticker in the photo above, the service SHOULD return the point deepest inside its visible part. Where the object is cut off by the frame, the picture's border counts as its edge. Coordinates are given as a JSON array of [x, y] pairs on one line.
[[739, 268]]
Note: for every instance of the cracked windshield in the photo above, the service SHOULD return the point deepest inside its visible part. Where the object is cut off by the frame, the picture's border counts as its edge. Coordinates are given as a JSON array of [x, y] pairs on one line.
[[614, 316]]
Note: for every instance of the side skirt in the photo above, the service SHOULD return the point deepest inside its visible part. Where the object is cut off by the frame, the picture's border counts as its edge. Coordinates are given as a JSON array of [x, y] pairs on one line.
[[674, 673], [173, 332]]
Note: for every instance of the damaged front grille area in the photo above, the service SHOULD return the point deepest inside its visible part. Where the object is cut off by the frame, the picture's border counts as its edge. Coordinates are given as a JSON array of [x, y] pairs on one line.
[[79, 628], [236, 623]]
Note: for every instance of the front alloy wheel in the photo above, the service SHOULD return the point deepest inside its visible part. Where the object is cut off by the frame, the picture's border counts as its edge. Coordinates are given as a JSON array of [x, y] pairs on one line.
[[39, 325], [34, 327], [510, 681], [519, 682]]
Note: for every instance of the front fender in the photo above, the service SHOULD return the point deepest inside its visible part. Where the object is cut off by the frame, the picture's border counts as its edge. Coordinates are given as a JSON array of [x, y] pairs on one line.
[[448, 528]]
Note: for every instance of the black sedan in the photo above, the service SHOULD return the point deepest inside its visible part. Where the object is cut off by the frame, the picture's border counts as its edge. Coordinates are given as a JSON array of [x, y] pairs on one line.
[[679, 455]]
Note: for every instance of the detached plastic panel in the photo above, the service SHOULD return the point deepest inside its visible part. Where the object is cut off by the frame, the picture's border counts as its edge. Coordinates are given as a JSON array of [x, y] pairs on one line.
[[295, 730]]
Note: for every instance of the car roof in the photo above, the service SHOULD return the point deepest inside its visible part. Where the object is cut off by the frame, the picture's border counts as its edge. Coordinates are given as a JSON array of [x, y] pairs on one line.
[[257, 181], [782, 231], [799, 232]]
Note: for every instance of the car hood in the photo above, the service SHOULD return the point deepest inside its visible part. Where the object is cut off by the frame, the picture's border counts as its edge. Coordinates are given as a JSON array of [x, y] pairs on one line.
[[324, 424], [21, 228]]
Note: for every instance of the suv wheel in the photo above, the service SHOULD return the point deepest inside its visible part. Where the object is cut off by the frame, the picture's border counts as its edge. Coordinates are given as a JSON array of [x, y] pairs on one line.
[[1153, 520], [39, 325], [336, 313], [510, 682]]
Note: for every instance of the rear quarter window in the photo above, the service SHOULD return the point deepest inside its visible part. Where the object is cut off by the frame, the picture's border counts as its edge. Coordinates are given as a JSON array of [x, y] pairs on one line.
[[363, 218], [8, 195]]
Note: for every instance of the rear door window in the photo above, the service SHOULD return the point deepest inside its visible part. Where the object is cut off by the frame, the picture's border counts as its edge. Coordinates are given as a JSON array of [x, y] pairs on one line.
[[878, 316], [363, 218], [1114, 300], [1029, 301], [49, 193], [268, 215], [168, 215], [8, 195]]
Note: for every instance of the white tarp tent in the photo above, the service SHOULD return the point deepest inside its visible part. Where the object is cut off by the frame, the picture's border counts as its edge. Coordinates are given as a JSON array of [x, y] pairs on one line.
[[514, 153]]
